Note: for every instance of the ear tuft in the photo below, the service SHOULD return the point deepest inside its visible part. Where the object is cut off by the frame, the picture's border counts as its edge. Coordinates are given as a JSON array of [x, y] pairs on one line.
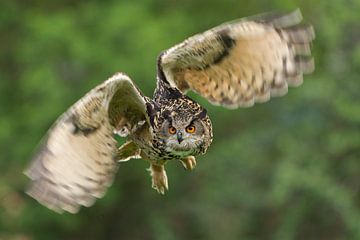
[[202, 114]]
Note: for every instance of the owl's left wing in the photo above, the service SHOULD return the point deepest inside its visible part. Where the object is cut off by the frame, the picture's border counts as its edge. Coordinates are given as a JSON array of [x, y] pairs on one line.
[[76, 162], [246, 61]]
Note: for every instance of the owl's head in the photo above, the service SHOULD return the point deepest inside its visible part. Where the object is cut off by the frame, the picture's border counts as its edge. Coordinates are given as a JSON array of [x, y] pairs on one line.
[[185, 133]]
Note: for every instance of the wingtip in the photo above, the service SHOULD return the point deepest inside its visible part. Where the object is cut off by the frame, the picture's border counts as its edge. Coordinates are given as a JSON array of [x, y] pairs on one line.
[[305, 64], [289, 19], [26, 172], [279, 19], [47, 198]]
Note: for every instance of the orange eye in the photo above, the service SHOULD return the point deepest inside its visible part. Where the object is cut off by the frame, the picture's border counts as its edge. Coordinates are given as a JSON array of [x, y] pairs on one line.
[[190, 129], [172, 130]]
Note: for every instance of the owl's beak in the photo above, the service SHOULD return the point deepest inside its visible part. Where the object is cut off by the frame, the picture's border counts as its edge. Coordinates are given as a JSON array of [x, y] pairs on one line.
[[179, 137]]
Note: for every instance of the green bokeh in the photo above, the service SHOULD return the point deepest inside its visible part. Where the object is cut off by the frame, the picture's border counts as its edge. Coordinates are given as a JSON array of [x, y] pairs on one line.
[[287, 169]]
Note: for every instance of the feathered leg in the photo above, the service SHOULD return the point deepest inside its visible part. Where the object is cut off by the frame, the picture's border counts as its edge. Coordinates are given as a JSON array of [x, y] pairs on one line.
[[159, 178], [127, 151]]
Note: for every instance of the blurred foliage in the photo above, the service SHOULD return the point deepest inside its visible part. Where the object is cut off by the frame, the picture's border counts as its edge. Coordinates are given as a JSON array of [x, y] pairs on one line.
[[287, 169]]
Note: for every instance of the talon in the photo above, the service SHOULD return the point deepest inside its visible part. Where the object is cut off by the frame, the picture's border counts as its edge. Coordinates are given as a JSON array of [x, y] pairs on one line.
[[189, 163]]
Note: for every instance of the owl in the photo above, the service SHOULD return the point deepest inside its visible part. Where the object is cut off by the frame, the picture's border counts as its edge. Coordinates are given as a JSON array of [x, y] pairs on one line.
[[236, 64]]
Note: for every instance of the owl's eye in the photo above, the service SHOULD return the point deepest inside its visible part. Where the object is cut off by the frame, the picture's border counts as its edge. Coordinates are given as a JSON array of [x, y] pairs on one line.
[[172, 130], [190, 129]]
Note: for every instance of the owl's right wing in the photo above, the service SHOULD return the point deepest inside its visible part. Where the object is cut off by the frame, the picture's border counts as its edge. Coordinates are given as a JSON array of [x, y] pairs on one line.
[[242, 62], [75, 163]]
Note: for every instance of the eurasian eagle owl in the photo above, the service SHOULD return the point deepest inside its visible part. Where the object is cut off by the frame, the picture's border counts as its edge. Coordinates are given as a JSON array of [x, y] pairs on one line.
[[234, 65]]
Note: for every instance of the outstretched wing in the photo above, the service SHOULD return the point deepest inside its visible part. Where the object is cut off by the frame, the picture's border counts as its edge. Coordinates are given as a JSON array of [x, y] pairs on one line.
[[76, 164], [246, 61]]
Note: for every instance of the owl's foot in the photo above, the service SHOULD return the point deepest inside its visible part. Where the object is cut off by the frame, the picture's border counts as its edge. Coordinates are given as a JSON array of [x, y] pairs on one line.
[[189, 163], [159, 178], [127, 151]]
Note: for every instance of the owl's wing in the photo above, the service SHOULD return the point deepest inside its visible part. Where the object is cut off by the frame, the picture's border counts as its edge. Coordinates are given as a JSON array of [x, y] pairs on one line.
[[75, 164], [246, 61]]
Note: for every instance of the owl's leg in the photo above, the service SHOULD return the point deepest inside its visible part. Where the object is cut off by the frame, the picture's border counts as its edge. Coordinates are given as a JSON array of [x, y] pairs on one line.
[[189, 162], [127, 151], [159, 178]]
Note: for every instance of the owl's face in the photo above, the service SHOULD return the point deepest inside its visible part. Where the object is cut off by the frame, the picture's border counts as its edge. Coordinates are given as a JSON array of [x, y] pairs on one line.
[[184, 135]]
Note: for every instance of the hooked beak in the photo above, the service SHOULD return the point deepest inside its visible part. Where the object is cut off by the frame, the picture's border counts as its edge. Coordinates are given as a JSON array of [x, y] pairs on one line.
[[179, 137]]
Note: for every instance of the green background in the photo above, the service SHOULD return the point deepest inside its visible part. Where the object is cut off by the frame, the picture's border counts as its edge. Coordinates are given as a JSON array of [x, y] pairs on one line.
[[287, 169]]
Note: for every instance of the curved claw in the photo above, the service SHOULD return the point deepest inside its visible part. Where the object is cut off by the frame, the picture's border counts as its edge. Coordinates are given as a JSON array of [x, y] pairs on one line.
[[189, 163]]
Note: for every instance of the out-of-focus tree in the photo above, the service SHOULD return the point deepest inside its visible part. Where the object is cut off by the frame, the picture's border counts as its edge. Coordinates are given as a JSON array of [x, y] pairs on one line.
[[287, 169]]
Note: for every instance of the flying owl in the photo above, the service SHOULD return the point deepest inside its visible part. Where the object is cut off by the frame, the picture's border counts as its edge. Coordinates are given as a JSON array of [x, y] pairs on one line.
[[236, 64]]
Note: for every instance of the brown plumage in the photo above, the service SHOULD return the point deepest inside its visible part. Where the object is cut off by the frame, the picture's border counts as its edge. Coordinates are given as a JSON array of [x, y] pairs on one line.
[[235, 65]]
